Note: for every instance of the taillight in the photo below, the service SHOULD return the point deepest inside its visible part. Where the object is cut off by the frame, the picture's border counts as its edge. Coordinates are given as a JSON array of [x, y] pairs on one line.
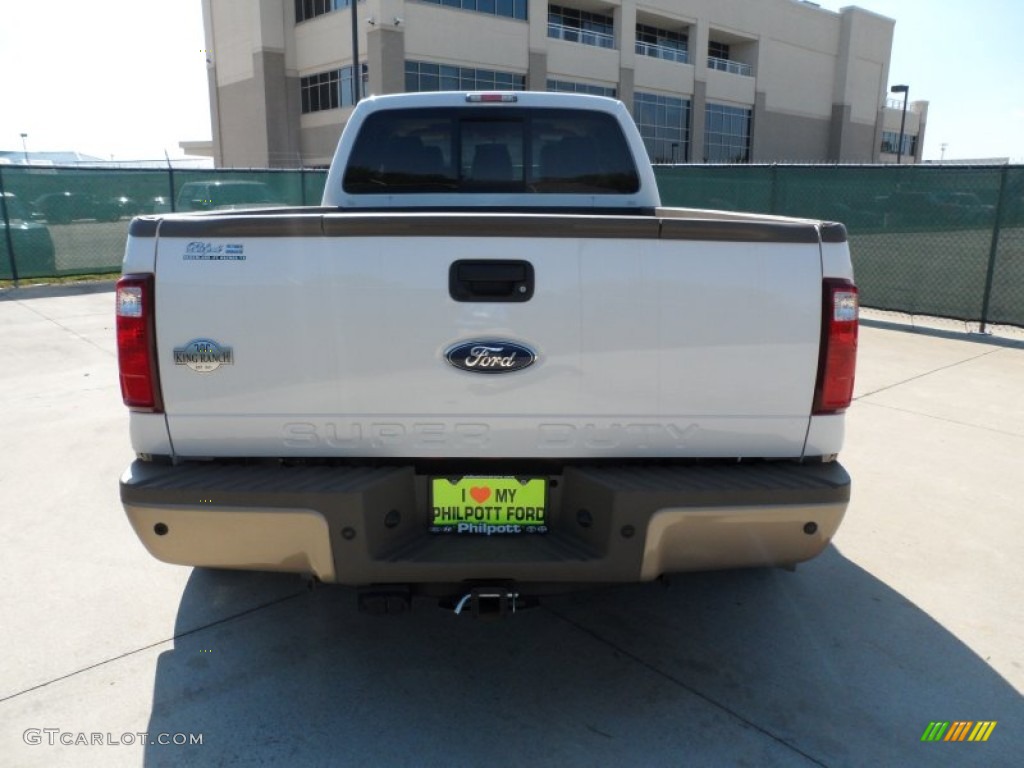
[[136, 344], [837, 361]]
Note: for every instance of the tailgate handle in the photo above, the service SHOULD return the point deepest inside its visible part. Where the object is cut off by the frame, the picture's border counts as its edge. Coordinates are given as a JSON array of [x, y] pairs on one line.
[[490, 280]]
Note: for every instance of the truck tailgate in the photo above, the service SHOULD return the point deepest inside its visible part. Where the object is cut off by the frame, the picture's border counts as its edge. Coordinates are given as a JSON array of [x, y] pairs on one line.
[[326, 336]]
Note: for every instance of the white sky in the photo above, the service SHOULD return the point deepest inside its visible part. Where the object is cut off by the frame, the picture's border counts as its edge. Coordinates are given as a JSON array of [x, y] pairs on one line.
[[127, 78], [121, 78]]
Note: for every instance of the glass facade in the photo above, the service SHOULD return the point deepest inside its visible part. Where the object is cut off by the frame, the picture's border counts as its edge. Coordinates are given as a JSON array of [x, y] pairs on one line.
[[427, 76], [329, 90], [567, 86], [726, 134], [664, 123], [309, 9], [719, 57], [578, 26], [891, 141], [661, 43], [718, 50], [513, 9]]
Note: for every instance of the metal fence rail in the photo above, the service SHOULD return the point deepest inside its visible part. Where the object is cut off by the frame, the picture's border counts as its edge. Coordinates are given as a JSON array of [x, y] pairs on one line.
[[939, 240]]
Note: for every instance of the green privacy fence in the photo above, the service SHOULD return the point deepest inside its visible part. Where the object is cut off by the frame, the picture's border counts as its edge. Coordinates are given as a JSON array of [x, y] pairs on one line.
[[74, 221], [939, 240]]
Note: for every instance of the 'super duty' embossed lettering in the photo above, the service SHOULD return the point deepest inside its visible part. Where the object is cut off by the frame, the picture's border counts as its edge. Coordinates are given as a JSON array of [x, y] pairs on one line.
[[352, 435]]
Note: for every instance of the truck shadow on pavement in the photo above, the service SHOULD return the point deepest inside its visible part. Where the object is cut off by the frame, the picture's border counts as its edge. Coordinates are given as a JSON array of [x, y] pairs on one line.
[[827, 666]]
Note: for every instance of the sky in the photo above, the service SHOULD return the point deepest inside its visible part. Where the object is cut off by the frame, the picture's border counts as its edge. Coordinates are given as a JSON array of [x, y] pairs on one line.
[[126, 79], [121, 79], [967, 60]]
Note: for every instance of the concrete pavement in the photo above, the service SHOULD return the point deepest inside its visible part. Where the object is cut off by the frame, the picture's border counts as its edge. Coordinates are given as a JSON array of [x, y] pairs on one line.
[[915, 614]]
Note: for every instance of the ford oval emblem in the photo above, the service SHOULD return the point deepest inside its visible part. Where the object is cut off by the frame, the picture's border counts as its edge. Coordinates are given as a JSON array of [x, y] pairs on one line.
[[490, 356]]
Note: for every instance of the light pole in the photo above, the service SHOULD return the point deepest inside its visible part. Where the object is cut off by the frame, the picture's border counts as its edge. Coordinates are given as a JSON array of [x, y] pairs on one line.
[[905, 90], [357, 71], [24, 147]]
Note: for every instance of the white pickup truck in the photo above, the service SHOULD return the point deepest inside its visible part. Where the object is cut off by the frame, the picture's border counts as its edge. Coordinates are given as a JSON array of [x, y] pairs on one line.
[[490, 365]]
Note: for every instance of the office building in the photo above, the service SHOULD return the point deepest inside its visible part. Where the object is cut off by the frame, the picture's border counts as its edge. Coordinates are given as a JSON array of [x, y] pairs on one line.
[[720, 81]]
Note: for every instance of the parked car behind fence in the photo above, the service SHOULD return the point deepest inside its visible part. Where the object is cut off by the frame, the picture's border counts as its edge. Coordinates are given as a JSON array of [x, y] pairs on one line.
[[225, 195], [65, 207], [30, 240]]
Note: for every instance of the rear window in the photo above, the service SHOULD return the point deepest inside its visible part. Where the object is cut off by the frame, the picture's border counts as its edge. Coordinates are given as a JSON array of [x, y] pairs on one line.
[[552, 151]]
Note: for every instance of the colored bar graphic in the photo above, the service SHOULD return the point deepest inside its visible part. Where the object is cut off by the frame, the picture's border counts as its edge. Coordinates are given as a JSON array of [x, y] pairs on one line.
[[935, 730], [959, 730], [982, 730]]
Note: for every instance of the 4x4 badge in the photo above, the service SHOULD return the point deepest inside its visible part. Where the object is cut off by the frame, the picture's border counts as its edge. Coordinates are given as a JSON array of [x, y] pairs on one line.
[[203, 355]]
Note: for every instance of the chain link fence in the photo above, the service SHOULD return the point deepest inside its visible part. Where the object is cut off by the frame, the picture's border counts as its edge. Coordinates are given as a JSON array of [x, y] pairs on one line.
[[940, 240], [74, 221]]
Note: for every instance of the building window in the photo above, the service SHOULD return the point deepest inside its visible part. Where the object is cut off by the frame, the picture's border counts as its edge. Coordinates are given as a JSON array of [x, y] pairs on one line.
[[329, 90], [664, 123], [661, 43], [719, 58], [566, 86], [581, 26], [309, 9], [891, 140], [513, 9], [425, 76], [726, 134], [718, 50], [320, 91], [346, 85]]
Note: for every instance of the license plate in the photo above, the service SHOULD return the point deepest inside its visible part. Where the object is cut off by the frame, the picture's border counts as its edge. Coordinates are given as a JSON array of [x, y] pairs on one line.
[[488, 505]]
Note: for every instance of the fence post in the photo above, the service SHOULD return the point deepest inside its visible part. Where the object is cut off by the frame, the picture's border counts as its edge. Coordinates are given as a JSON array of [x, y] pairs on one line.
[[302, 183], [993, 249], [773, 205], [170, 179], [7, 230]]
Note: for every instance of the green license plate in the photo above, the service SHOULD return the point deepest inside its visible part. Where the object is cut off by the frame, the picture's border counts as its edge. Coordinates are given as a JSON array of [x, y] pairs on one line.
[[488, 505]]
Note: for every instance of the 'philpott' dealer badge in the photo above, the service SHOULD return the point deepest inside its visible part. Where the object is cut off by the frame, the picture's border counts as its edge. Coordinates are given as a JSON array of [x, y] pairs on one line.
[[203, 355]]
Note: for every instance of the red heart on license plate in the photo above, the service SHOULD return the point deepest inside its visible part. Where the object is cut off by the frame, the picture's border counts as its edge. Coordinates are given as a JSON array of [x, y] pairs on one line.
[[480, 495]]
